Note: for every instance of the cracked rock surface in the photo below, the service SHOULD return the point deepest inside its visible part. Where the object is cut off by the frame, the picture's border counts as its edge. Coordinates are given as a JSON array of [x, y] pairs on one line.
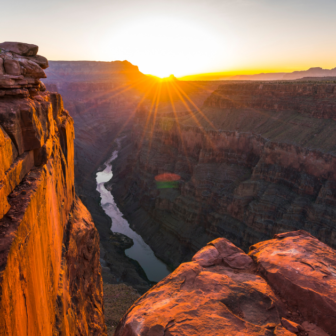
[[283, 286]]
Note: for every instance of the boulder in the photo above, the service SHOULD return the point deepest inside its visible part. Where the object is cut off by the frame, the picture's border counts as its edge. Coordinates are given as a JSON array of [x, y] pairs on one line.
[[30, 68], [12, 67], [19, 74], [2, 69], [23, 49], [222, 251], [231, 255], [303, 270], [290, 325], [207, 297], [223, 291], [41, 61]]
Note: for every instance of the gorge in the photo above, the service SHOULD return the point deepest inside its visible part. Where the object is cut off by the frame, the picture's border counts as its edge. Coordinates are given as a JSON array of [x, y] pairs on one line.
[[249, 157], [232, 185], [155, 269], [256, 160]]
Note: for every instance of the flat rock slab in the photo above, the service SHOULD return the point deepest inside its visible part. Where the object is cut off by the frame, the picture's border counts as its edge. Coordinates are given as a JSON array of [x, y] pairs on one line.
[[23, 49], [225, 292], [206, 297], [303, 270]]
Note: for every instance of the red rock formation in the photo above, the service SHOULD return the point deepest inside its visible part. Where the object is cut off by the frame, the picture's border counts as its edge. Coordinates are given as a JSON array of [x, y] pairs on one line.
[[286, 288], [50, 281]]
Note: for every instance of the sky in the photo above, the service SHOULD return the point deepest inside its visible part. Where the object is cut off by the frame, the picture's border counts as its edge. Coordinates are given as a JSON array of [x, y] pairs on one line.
[[180, 37]]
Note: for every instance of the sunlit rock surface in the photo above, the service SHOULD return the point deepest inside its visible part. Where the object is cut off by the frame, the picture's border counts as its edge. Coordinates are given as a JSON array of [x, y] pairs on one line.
[[50, 281], [284, 286]]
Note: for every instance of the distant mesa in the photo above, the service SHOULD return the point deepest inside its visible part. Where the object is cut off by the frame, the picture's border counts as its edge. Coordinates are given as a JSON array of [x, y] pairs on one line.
[[311, 73], [92, 71]]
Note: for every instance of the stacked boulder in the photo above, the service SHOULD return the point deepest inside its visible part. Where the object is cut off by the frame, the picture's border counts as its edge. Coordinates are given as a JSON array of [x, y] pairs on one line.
[[21, 69]]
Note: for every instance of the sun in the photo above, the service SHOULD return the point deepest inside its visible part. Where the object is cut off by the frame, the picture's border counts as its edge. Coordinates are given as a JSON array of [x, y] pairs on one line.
[[165, 46]]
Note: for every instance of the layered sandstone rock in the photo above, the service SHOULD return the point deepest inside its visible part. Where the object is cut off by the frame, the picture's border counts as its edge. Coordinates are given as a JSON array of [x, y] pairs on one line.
[[256, 160], [50, 281], [284, 286]]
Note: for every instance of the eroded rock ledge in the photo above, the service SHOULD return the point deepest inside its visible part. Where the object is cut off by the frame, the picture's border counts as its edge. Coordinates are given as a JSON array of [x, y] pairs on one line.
[[50, 280], [283, 286]]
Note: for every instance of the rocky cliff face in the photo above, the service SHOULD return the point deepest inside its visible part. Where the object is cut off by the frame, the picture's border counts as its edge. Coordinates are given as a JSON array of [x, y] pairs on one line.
[[284, 286], [50, 280], [101, 102], [257, 160]]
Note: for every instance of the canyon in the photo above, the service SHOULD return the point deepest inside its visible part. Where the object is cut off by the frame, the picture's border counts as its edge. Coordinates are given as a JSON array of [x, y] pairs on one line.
[[253, 161], [50, 280], [231, 184], [103, 104], [256, 160]]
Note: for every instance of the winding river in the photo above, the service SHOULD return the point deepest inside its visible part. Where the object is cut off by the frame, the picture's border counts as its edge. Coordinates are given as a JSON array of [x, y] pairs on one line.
[[154, 268]]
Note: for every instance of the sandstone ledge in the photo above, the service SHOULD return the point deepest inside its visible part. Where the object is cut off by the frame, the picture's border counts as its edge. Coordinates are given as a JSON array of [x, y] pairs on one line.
[[284, 286]]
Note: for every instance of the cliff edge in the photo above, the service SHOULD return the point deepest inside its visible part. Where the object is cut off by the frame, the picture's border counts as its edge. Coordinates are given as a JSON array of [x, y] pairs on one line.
[[50, 278], [284, 286]]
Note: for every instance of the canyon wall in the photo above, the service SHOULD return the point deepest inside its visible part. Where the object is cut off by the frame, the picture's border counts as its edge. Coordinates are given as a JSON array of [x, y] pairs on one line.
[[258, 159], [283, 287], [101, 102], [103, 107], [50, 275]]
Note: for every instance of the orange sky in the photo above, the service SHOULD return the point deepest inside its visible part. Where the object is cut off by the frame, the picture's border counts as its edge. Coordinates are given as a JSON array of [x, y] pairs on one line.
[[180, 37]]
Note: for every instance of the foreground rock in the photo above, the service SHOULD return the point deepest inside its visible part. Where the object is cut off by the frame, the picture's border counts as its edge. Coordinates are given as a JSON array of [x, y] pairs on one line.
[[50, 278], [284, 286]]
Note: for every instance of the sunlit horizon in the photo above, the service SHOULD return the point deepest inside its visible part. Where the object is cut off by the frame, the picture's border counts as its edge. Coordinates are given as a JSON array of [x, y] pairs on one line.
[[181, 37]]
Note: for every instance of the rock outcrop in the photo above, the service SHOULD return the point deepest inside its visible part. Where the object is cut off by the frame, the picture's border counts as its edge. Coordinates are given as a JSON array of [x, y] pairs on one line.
[[258, 159], [50, 278], [284, 286]]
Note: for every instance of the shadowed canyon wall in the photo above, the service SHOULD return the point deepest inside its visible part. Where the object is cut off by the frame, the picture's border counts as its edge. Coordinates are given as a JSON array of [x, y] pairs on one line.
[[50, 275], [103, 104], [258, 159], [101, 98]]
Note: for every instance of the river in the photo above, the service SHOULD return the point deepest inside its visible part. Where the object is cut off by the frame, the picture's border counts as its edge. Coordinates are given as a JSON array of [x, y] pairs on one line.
[[154, 268]]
